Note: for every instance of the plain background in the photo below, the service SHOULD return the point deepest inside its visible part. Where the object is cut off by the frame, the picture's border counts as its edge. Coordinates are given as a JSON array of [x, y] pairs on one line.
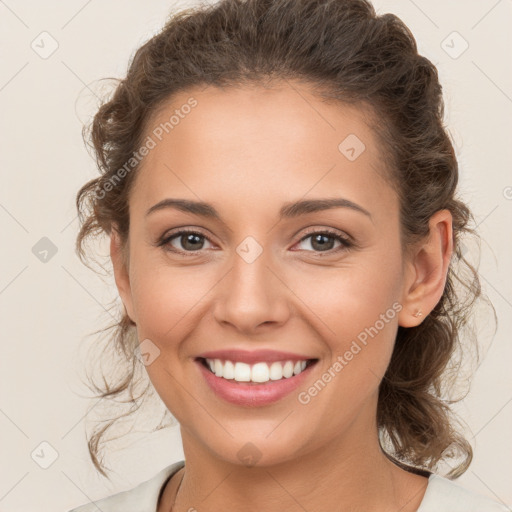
[[48, 308]]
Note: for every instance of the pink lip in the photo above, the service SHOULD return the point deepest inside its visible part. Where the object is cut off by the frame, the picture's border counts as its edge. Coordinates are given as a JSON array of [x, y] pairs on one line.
[[254, 356], [252, 394]]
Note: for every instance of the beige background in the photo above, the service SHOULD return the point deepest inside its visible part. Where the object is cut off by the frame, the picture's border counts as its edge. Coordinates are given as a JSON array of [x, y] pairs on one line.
[[48, 309]]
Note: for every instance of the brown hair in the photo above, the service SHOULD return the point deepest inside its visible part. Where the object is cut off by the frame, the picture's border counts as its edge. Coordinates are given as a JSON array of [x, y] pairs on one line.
[[349, 55]]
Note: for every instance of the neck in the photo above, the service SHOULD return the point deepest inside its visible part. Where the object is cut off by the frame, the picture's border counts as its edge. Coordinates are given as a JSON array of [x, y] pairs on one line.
[[347, 474]]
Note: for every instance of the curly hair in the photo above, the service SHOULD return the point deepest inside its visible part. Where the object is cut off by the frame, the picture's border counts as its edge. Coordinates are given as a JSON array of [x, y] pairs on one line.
[[349, 55]]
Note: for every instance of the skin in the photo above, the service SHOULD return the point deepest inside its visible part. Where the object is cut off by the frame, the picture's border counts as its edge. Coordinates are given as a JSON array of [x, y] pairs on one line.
[[247, 151]]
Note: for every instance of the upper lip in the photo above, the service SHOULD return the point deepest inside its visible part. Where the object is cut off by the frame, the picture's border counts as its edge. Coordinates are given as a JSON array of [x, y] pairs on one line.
[[253, 356]]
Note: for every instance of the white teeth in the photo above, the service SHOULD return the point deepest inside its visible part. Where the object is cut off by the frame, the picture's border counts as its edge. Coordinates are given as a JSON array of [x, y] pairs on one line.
[[276, 371], [228, 372], [288, 369], [218, 368], [258, 372], [242, 372]]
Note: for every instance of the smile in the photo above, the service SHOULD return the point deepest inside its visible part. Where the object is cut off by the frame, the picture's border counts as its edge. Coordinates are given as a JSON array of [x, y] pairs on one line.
[[259, 372], [258, 383]]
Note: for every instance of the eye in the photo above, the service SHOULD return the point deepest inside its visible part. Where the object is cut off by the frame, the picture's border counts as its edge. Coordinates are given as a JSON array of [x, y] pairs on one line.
[[323, 241], [187, 241]]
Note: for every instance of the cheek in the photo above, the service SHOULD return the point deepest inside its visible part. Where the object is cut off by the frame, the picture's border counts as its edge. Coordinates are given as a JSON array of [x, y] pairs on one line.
[[355, 308], [352, 297], [168, 303], [166, 299], [359, 328]]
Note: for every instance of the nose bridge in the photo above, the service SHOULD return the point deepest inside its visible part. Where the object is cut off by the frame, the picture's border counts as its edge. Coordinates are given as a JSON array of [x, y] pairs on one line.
[[251, 293]]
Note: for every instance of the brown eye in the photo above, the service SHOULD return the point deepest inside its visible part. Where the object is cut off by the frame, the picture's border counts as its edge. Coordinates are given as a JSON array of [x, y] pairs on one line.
[[184, 242], [324, 241]]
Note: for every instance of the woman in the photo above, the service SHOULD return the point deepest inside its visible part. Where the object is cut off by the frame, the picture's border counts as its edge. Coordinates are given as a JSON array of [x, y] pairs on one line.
[[280, 196]]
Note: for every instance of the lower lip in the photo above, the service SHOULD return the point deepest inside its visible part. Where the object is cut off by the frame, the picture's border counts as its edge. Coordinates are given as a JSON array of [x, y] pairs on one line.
[[253, 394]]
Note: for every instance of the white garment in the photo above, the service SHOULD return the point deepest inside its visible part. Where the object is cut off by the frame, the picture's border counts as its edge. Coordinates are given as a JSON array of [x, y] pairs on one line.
[[442, 495]]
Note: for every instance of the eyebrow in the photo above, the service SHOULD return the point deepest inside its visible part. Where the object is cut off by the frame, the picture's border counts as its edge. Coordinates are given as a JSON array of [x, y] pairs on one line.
[[288, 210]]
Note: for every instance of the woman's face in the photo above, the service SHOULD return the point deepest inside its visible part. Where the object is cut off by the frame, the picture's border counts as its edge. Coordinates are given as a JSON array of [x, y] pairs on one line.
[[263, 275]]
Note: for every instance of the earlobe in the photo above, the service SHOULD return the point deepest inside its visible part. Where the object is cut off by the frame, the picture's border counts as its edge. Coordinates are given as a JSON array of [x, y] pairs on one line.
[[121, 274], [426, 273]]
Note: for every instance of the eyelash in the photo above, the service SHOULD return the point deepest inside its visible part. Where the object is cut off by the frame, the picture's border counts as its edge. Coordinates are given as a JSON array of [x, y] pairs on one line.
[[346, 242]]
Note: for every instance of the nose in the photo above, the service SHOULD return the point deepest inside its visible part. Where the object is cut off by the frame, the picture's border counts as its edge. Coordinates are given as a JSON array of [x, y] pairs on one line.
[[252, 295]]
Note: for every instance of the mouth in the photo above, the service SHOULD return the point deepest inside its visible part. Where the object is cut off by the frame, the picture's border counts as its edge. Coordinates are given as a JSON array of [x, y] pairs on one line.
[[257, 373], [257, 384]]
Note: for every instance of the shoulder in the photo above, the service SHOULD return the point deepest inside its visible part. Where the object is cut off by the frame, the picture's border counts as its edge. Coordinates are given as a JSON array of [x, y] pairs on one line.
[[142, 497], [444, 495]]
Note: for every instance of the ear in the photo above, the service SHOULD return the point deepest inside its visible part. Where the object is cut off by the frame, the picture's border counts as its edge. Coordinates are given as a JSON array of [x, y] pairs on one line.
[[426, 270], [121, 274]]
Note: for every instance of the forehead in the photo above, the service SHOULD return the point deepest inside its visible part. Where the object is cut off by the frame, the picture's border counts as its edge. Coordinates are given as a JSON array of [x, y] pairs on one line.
[[272, 144]]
